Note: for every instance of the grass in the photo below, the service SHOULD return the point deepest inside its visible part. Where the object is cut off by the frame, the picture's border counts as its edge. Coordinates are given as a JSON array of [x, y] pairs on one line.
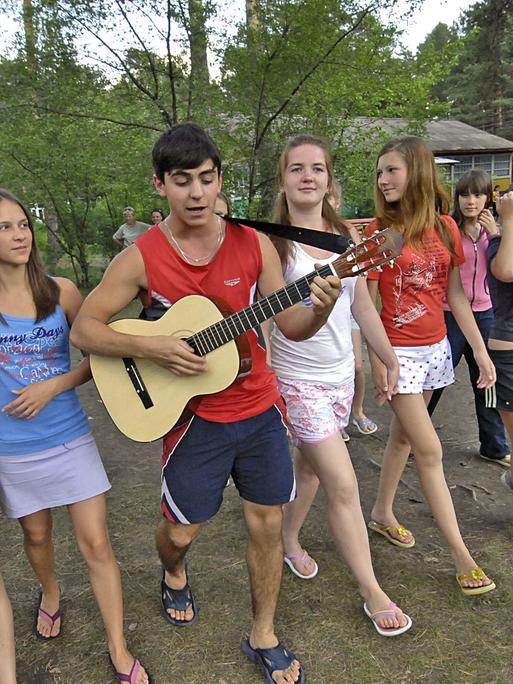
[[454, 639]]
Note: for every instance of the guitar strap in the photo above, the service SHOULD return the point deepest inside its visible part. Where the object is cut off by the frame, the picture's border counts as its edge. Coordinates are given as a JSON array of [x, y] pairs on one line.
[[332, 242]]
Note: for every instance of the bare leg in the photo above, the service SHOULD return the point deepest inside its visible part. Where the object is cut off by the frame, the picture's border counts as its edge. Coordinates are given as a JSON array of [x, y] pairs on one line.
[[414, 427], [7, 656], [265, 562], [359, 382], [37, 541], [173, 542], [89, 518], [295, 512], [359, 375], [330, 460]]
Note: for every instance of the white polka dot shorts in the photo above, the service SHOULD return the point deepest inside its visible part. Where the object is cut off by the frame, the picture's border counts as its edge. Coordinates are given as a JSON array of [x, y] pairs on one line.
[[425, 368]]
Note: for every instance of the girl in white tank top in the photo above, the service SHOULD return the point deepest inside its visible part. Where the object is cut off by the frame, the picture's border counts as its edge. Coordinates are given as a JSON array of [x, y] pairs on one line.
[[316, 379]]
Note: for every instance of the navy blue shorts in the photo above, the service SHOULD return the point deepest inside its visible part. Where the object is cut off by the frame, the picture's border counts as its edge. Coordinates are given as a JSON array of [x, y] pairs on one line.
[[200, 455]]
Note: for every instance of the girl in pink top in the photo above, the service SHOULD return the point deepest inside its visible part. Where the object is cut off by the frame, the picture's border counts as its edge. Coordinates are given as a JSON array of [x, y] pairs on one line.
[[410, 198], [472, 196]]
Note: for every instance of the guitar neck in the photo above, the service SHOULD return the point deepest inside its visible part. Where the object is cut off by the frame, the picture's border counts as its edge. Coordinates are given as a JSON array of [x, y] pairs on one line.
[[236, 324]]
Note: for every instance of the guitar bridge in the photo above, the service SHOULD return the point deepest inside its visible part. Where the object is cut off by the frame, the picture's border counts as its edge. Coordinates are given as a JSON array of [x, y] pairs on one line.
[[137, 382]]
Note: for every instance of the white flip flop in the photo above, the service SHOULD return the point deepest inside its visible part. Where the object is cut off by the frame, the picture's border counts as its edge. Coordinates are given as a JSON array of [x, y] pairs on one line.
[[302, 556], [389, 611]]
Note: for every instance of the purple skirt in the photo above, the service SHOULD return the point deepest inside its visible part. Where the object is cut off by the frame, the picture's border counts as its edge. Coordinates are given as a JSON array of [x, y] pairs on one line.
[[59, 476]]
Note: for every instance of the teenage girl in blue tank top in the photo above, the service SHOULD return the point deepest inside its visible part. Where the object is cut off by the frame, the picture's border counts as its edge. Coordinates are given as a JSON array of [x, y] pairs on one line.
[[48, 456]]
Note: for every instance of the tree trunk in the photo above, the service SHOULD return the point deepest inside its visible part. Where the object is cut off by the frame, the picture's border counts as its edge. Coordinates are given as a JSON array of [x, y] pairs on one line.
[[30, 35], [251, 14], [199, 76]]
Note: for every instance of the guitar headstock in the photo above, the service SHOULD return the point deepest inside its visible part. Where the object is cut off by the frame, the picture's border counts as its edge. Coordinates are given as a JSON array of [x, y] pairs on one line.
[[372, 252]]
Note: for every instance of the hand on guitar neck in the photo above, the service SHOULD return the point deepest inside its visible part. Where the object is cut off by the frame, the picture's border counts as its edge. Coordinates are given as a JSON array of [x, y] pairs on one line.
[[145, 402]]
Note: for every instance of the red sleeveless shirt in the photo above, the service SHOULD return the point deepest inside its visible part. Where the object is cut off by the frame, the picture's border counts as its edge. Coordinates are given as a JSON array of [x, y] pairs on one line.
[[231, 276]]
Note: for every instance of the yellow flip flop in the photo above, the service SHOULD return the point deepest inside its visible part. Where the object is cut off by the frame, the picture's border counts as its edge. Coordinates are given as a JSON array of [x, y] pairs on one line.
[[476, 574], [385, 531]]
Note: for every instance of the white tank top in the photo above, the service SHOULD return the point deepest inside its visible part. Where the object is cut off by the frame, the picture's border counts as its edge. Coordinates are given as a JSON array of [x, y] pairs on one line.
[[327, 356]]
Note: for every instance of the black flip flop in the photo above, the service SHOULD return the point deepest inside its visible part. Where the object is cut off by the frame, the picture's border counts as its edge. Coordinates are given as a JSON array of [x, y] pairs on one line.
[[177, 599]]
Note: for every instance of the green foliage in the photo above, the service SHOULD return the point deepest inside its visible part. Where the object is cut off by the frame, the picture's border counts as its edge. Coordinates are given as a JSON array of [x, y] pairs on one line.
[[91, 83], [479, 85]]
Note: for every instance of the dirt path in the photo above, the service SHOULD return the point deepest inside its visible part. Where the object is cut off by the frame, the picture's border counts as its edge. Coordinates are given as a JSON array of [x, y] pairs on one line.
[[455, 639]]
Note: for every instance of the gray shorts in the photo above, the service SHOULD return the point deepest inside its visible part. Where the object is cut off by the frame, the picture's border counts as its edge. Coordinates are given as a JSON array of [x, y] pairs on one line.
[[62, 475]]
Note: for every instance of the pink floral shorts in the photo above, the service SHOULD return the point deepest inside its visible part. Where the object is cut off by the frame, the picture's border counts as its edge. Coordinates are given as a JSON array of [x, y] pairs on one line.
[[316, 410]]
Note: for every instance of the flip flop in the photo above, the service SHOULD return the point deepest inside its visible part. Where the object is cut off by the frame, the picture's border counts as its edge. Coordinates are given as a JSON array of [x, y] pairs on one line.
[[389, 611], [177, 599], [49, 619], [302, 558], [131, 677], [365, 425], [505, 461], [476, 574], [344, 434], [385, 531], [271, 659]]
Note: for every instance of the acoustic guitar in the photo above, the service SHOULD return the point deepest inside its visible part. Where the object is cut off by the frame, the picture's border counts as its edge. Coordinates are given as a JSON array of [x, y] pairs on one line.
[[146, 401]]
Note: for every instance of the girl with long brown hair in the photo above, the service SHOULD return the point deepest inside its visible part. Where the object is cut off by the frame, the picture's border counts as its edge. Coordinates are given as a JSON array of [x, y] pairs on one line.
[[48, 456], [410, 198], [316, 379]]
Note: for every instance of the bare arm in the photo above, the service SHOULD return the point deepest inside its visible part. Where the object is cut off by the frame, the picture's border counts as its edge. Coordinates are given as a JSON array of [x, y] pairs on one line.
[[385, 371], [367, 317], [121, 282], [502, 264], [462, 312], [298, 322]]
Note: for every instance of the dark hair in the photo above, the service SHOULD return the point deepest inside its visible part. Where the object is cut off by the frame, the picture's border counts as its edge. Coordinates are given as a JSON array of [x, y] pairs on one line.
[[281, 209], [475, 182], [424, 200], [183, 146], [223, 198], [45, 291], [159, 211]]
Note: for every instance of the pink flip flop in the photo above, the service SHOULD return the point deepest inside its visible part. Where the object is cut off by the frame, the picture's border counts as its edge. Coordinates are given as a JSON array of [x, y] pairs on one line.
[[131, 677], [389, 611], [49, 619]]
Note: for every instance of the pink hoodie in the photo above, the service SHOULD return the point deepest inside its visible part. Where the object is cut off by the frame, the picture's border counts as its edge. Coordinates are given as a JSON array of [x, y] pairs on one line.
[[473, 272]]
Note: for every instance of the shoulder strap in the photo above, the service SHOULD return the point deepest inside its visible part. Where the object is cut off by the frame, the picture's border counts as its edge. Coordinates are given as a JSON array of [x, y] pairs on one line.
[[333, 242]]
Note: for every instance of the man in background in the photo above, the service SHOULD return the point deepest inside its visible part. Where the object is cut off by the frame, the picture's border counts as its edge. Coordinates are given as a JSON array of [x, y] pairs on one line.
[[130, 230]]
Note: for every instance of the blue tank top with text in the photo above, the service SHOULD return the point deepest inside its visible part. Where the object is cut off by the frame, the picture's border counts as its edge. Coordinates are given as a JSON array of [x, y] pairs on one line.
[[31, 352]]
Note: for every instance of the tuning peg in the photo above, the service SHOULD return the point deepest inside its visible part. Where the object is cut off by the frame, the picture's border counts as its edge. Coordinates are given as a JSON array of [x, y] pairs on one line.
[[391, 263]]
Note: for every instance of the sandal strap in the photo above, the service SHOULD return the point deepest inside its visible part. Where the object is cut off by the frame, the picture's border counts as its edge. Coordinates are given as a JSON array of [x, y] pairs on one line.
[[302, 555], [178, 599], [477, 574], [276, 658], [49, 619], [388, 611], [131, 678]]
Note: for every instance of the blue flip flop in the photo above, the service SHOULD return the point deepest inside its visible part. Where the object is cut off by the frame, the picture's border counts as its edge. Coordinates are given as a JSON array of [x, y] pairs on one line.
[[271, 659], [177, 599]]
